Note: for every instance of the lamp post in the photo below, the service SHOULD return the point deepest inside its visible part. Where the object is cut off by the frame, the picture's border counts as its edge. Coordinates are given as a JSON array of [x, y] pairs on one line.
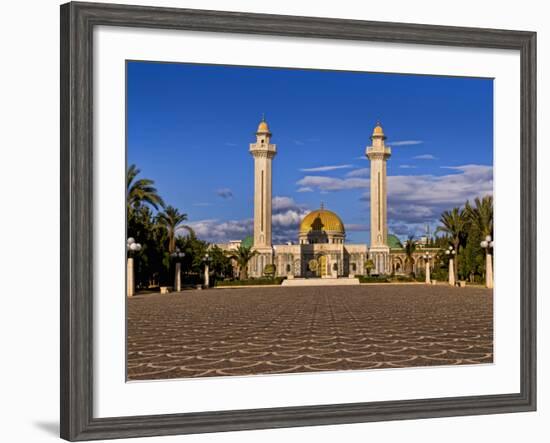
[[427, 257], [177, 255], [131, 248], [206, 259], [487, 244], [451, 253]]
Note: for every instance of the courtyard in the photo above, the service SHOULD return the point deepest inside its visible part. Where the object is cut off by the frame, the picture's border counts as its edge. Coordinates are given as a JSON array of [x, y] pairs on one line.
[[275, 330]]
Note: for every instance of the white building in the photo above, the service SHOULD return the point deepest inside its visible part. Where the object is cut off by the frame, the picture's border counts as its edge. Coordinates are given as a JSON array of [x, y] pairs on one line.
[[321, 250]]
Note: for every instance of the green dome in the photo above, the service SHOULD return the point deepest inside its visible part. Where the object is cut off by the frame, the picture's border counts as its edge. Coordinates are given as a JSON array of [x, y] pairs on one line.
[[394, 242], [247, 242]]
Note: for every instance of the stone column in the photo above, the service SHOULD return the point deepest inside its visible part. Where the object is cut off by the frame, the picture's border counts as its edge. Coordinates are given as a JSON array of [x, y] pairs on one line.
[[452, 281], [206, 276], [428, 276], [489, 270], [130, 283], [177, 277]]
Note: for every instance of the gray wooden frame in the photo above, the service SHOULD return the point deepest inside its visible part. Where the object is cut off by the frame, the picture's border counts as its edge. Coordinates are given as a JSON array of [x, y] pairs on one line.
[[77, 24]]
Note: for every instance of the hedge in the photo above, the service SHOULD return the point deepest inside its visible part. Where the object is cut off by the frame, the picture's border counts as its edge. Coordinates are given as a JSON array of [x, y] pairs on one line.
[[251, 282]]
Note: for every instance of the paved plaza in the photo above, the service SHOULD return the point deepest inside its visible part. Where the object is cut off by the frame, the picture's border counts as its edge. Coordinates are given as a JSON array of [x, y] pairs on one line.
[[224, 332]]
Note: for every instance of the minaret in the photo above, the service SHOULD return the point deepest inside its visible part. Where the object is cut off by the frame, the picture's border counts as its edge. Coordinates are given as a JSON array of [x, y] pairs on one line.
[[263, 152], [378, 155]]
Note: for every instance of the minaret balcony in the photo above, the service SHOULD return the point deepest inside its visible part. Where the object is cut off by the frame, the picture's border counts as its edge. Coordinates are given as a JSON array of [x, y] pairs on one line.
[[374, 153], [268, 150]]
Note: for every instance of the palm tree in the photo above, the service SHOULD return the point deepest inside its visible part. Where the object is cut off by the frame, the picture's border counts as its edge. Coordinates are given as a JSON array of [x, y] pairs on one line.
[[172, 220], [410, 247], [481, 214], [369, 266], [454, 224], [140, 191], [242, 255]]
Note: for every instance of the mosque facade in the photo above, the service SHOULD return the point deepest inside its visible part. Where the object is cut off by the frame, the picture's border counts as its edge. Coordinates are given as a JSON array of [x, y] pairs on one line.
[[321, 249]]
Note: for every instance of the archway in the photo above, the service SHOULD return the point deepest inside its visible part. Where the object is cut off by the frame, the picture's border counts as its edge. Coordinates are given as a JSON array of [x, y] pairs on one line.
[[398, 265]]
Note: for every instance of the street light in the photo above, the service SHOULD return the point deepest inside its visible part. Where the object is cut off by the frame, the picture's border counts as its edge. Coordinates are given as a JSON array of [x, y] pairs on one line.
[[177, 255], [451, 253], [487, 244], [206, 259], [427, 257], [131, 247]]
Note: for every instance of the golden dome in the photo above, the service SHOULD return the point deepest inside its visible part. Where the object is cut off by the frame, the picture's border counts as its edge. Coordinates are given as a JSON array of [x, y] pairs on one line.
[[322, 220], [263, 128], [378, 131]]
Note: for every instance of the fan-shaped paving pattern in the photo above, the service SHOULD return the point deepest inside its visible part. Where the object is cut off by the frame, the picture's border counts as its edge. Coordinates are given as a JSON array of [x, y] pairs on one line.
[[281, 330]]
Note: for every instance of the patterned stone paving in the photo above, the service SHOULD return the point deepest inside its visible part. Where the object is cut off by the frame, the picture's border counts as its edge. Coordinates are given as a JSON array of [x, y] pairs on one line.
[[227, 332]]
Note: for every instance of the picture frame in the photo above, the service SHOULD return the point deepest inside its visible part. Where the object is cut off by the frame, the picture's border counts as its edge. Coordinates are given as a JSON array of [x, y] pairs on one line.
[[77, 217]]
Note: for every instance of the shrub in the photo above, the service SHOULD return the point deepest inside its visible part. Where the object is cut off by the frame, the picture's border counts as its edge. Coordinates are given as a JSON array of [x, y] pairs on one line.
[[251, 282], [269, 270], [373, 279], [404, 278]]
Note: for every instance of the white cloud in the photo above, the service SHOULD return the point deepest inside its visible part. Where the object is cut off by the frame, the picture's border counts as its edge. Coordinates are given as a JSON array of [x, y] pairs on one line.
[[406, 143], [287, 215], [326, 168], [471, 168], [424, 157], [217, 231], [450, 189], [281, 203], [231, 144], [361, 172], [356, 227], [414, 200], [202, 204], [407, 166], [325, 184], [286, 218], [224, 193], [289, 218], [305, 189]]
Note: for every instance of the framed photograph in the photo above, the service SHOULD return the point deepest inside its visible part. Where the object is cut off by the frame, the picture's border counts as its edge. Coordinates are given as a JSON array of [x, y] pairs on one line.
[[273, 221]]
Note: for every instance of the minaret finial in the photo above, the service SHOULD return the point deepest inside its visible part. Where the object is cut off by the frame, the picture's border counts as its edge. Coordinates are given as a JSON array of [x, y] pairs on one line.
[[263, 116], [322, 205]]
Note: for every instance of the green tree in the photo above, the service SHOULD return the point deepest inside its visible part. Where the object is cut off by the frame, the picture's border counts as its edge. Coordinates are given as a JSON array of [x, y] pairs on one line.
[[481, 215], [269, 270], [149, 267], [410, 248], [369, 266], [192, 263], [242, 255], [454, 224], [172, 220], [140, 191], [220, 264], [471, 256]]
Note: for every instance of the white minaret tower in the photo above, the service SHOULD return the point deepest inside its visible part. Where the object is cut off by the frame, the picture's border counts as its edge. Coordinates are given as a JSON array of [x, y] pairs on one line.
[[378, 155], [263, 152]]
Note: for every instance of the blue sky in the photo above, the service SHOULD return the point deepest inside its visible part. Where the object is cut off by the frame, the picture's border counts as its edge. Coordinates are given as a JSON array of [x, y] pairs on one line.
[[189, 128]]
